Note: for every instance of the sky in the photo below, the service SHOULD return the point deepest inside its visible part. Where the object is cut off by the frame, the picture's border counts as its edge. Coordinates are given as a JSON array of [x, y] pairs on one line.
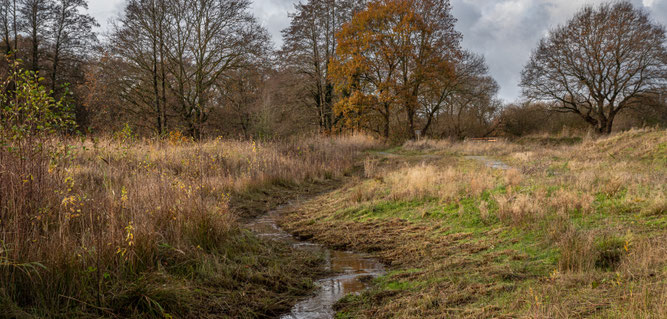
[[503, 31]]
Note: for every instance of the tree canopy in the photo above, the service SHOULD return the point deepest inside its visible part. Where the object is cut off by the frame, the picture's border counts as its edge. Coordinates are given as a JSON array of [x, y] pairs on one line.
[[598, 63]]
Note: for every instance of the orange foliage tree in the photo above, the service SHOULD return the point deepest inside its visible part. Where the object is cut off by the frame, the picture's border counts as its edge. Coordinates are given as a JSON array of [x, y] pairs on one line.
[[389, 55]]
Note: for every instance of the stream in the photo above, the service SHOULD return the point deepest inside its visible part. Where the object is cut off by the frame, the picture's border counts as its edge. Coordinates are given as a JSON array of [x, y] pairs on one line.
[[349, 270]]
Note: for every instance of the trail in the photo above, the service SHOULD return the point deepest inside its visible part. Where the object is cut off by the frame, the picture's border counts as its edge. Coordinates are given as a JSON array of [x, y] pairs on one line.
[[492, 163]]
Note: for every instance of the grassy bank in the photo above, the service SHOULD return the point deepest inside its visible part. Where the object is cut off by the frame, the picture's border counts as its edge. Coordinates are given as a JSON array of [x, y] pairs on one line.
[[120, 227], [570, 230]]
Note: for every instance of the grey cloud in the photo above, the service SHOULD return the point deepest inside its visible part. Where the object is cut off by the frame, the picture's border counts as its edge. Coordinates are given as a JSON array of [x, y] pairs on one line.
[[504, 31]]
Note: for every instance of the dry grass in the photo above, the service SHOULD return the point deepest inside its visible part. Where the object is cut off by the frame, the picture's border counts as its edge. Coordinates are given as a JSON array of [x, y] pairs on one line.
[[444, 182], [573, 229], [77, 229]]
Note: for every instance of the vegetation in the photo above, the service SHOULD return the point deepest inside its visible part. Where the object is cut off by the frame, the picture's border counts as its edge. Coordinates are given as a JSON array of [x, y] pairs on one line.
[[567, 231], [395, 69], [131, 164], [127, 227], [599, 63]]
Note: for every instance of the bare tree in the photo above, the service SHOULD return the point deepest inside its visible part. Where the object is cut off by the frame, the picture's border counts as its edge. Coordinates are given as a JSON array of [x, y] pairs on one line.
[[595, 64], [9, 23], [139, 38], [71, 33], [241, 96], [208, 38], [470, 110], [468, 80], [35, 16]]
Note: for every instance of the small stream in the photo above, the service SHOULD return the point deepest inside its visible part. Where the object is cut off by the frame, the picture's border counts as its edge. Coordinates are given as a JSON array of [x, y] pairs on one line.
[[349, 269]]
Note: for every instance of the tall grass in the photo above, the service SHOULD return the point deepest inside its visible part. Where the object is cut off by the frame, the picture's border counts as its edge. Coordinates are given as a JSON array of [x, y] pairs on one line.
[[77, 229], [570, 229]]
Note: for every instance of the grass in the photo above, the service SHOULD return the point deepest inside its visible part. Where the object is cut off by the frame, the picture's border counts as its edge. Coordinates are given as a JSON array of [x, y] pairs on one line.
[[121, 227], [576, 228]]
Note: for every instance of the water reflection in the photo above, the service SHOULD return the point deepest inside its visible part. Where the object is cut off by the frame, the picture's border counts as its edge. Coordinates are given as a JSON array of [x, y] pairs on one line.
[[349, 267]]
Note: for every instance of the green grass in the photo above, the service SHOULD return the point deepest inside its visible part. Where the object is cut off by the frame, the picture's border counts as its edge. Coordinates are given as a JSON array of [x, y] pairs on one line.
[[590, 246]]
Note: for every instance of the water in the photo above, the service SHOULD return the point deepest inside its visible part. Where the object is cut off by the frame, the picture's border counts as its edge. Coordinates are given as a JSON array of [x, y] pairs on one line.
[[350, 270]]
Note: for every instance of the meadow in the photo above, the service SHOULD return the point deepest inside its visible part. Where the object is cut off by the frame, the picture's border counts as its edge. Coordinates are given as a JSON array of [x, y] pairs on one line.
[[126, 227], [538, 227]]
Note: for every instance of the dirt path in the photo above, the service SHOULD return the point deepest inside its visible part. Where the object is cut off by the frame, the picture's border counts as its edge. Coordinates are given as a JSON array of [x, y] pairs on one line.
[[492, 163]]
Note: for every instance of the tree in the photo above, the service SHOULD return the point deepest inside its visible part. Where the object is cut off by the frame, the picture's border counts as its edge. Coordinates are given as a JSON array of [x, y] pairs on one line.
[[140, 39], [452, 98], [241, 96], [9, 24], [309, 46], [177, 52], [208, 38], [598, 62], [470, 110], [389, 53], [70, 32], [35, 16]]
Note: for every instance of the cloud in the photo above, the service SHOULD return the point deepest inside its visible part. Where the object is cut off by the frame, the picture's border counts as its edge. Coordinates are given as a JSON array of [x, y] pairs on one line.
[[273, 15], [104, 11], [504, 31]]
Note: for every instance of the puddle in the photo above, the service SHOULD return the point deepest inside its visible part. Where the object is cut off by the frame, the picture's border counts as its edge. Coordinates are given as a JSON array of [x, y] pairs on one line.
[[350, 270], [489, 162]]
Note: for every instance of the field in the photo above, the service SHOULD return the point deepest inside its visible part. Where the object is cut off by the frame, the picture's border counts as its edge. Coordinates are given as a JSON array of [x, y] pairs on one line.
[[567, 227], [122, 227], [538, 227]]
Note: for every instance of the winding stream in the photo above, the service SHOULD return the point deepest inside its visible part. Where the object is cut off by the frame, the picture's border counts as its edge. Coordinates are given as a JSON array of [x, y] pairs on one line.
[[350, 270]]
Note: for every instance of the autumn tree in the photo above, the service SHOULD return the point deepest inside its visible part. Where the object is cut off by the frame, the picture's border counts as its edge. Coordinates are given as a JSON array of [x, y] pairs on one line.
[[388, 54], [309, 44], [597, 62]]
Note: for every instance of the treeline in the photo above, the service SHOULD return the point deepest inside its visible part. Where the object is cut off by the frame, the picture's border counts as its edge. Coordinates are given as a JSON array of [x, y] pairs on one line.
[[53, 38], [392, 67], [209, 68]]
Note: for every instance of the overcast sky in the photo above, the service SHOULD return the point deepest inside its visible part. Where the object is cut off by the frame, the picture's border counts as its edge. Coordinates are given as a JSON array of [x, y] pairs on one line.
[[504, 31]]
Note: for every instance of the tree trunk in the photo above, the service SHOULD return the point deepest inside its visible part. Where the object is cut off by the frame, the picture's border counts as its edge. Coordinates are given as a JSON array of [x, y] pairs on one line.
[[387, 116], [35, 50], [163, 78], [54, 70]]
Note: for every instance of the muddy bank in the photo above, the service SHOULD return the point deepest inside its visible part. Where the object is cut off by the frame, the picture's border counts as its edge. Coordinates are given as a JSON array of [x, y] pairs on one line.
[[349, 271]]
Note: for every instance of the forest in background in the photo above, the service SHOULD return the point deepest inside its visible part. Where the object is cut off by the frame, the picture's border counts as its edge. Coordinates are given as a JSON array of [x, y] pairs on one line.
[[208, 68]]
